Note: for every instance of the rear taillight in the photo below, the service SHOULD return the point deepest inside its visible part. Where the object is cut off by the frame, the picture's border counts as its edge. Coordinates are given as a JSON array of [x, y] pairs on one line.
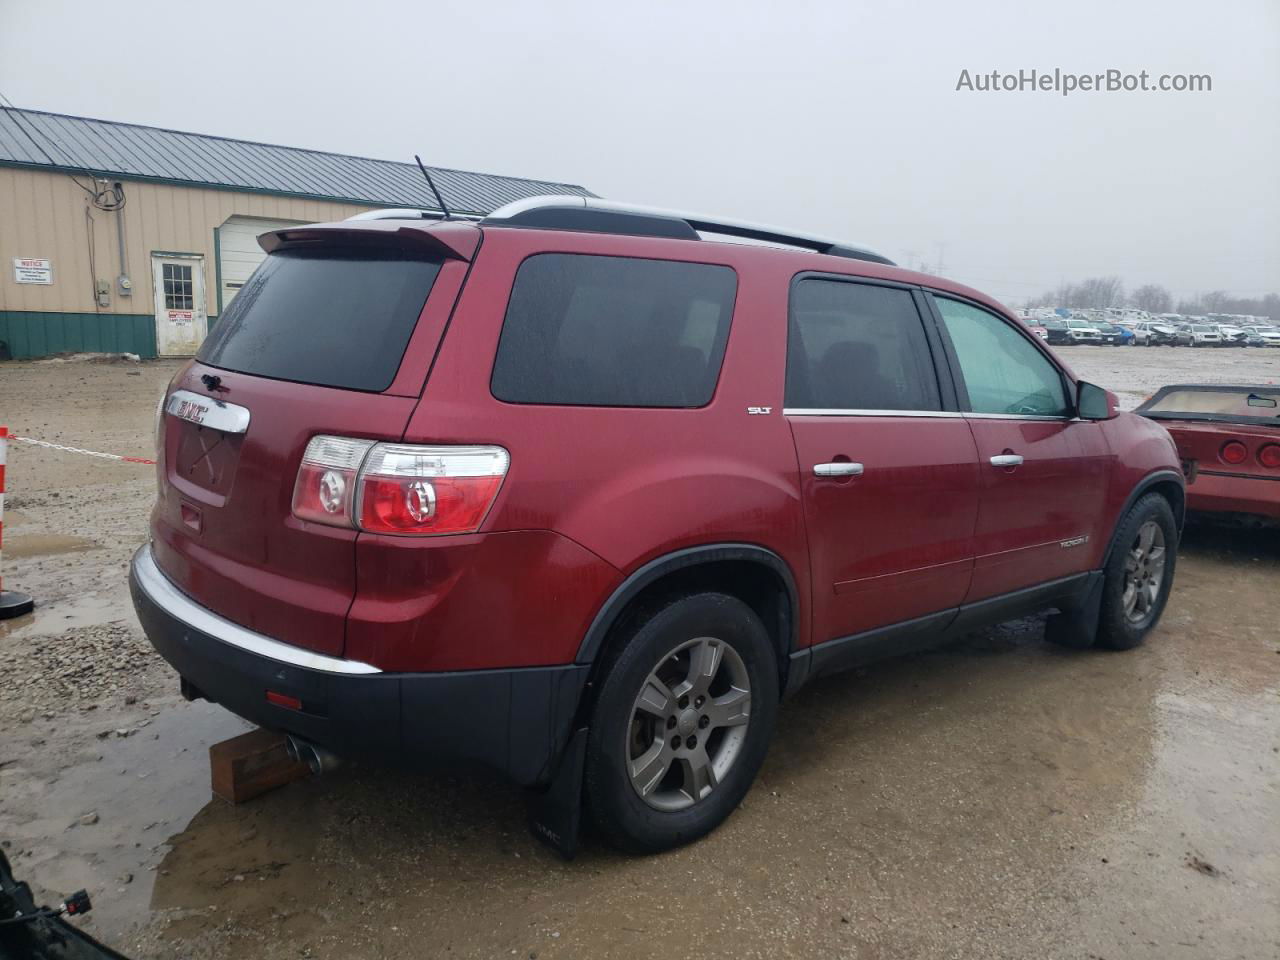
[[1269, 456], [1234, 452], [326, 484], [396, 487], [427, 490]]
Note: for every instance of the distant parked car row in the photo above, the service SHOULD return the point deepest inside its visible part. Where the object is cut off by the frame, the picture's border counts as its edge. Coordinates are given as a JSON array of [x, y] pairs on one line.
[[1151, 333], [1082, 332]]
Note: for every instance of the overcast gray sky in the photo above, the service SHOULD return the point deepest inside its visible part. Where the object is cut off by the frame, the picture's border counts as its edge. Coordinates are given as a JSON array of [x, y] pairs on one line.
[[839, 117]]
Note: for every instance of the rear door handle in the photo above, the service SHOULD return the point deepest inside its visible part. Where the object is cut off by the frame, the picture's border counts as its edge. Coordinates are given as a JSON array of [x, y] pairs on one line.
[[1007, 460], [841, 468]]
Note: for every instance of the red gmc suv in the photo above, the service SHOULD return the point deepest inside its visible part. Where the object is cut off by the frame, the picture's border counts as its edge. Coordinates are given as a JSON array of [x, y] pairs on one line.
[[578, 493]]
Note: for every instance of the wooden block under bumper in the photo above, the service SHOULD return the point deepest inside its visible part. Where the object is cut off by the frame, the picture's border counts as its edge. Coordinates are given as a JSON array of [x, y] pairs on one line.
[[251, 764]]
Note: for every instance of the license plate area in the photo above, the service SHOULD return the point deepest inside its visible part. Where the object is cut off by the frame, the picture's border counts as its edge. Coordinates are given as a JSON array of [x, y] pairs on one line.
[[205, 462]]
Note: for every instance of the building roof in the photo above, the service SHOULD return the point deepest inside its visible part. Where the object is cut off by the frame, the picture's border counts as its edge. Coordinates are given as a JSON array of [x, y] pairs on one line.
[[34, 138]]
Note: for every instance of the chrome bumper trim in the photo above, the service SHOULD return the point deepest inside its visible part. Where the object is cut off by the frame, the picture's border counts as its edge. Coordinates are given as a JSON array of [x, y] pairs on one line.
[[179, 606]]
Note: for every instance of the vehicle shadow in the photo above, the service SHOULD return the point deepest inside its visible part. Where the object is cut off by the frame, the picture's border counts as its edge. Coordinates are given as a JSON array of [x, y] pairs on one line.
[[1207, 536], [854, 754]]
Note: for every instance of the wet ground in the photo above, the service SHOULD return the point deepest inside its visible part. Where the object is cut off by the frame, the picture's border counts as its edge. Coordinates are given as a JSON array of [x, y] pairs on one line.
[[1000, 798]]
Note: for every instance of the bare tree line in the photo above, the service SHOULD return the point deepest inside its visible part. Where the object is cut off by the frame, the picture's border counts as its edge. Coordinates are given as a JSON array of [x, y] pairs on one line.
[[1099, 292]]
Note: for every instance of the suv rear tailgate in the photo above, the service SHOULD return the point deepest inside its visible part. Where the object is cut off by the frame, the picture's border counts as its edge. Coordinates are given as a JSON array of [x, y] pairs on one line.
[[335, 338], [223, 529]]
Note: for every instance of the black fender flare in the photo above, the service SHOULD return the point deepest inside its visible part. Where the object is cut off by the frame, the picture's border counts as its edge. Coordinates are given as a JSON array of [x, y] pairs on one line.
[[1141, 489], [668, 563]]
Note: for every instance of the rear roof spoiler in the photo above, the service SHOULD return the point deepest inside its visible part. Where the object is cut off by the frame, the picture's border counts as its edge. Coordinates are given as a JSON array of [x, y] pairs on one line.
[[453, 240]]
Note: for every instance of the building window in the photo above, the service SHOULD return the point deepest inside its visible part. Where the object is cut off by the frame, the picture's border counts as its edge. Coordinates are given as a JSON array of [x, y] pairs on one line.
[[177, 286]]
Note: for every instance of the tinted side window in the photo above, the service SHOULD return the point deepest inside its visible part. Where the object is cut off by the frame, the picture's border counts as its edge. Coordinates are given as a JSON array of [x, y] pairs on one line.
[[614, 332], [853, 346], [1002, 371]]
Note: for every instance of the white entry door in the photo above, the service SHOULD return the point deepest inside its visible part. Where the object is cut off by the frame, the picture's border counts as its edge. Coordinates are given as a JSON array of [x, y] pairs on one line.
[[181, 321]]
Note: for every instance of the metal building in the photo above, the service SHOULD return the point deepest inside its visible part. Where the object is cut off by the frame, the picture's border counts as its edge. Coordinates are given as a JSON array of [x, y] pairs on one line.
[[121, 238]]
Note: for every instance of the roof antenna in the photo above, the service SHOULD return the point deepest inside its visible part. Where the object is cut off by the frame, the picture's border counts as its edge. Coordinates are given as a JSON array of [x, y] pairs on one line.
[[431, 183]]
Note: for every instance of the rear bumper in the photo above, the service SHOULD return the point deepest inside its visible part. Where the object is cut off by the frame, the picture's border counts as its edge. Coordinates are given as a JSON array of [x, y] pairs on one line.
[[516, 720], [1212, 492]]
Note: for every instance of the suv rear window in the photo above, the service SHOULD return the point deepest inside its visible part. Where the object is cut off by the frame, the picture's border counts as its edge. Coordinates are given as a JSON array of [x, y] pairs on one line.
[[587, 330], [335, 318]]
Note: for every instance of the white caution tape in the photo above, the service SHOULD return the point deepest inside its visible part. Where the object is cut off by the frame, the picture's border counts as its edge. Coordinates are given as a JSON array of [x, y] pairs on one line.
[[87, 453]]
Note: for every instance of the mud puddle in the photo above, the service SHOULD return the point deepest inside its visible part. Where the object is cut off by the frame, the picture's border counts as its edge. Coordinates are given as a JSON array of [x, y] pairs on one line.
[[60, 614], [103, 819], [45, 545]]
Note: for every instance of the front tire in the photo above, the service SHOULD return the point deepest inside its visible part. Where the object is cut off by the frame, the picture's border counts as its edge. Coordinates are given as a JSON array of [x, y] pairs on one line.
[[1139, 574], [682, 722]]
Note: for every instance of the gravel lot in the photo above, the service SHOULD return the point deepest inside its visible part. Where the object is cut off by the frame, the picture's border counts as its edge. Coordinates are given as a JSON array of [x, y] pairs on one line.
[[999, 798]]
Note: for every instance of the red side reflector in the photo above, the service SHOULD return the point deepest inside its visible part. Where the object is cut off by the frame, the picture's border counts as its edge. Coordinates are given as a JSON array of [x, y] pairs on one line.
[[283, 700]]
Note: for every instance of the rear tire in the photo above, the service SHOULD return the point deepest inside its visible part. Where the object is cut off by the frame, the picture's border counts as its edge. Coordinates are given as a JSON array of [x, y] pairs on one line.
[[1139, 574], [672, 749]]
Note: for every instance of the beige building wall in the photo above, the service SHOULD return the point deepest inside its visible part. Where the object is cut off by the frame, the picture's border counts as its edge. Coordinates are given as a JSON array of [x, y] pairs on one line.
[[43, 214]]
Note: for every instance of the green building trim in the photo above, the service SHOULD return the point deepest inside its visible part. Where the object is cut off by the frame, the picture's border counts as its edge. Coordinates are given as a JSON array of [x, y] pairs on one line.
[[30, 333]]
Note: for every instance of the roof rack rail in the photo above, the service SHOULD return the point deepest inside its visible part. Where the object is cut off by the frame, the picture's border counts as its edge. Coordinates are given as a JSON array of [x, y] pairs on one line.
[[567, 212]]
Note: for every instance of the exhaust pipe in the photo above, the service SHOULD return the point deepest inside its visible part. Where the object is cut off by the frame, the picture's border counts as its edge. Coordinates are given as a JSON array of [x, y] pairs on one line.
[[317, 758]]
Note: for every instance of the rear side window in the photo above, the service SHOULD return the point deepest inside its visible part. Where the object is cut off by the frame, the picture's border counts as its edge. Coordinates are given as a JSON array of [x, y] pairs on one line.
[[614, 332], [336, 318], [854, 346], [1000, 369]]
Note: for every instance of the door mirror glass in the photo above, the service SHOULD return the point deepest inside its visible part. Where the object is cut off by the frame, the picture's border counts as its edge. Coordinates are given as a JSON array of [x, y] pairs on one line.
[[1093, 403]]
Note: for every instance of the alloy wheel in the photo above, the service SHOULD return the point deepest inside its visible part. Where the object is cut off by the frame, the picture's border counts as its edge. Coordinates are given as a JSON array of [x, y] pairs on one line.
[[1144, 573], [688, 724]]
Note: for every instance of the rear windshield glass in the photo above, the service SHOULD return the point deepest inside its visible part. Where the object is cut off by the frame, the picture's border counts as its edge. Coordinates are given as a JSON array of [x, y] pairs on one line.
[[614, 332], [1220, 404], [336, 318]]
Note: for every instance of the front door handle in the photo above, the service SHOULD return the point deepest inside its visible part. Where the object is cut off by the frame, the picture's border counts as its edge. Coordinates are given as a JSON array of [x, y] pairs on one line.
[[1007, 460], [841, 468]]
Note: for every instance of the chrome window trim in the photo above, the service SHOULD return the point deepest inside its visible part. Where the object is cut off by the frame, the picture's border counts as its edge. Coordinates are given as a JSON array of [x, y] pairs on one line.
[[837, 412], [178, 605], [834, 412], [207, 412]]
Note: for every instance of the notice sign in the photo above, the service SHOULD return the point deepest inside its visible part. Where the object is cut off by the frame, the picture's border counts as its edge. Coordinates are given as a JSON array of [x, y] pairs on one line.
[[32, 270], [180, 316]]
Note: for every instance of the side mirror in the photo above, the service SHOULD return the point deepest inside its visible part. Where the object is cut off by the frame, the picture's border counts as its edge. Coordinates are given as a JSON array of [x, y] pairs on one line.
[[1094, 403]]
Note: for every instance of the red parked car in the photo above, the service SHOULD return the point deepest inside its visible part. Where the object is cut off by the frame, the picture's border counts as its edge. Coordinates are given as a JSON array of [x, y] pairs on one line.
[[1228, 436], [578, 494], [1038, 328]]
